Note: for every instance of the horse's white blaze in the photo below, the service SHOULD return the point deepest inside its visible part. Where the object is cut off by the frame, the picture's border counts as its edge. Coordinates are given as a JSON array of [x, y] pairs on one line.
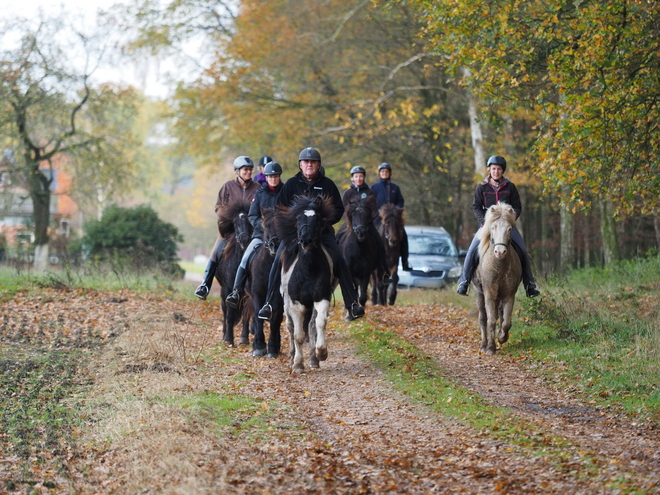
[[310, 213]]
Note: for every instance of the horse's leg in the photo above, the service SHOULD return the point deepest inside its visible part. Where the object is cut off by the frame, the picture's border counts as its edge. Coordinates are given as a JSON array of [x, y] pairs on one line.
[[483, 318], [229, 322], [275, 339], [492, 310], [321, 347], [298, 316], [290, 329], [245, 331], [362, 290], [313, 334], [259, 343], [393, 287], [505, 317], [374, 289]]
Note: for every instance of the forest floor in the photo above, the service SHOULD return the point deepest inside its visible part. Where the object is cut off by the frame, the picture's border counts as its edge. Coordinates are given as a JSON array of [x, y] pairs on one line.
[[152, 371]]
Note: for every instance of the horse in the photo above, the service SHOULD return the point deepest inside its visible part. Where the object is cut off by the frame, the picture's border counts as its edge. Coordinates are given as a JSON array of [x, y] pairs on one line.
[[359, 248], [257, 287], [235, 228], [497, 276], [308, 279], [391, 231]]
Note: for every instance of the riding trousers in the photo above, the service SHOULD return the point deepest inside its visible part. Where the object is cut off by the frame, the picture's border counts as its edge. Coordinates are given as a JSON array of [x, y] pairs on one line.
[[216, 251], [471, 258], [340, 268]]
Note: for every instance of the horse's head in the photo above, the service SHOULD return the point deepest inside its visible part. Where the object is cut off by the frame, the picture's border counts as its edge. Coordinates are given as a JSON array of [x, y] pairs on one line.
[[309, 226], [497, 229], [242, 230], [271, 239], [233, 220], [392, 224], [358, 217]]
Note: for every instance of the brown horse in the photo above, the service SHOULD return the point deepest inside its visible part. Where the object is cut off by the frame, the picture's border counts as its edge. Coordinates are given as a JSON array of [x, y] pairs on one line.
[[497, 277], [391, 231]]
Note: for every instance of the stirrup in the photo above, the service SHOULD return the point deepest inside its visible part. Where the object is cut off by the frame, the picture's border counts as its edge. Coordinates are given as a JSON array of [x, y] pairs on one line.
[[265, 312], [233, 299], [202, 292], [355, 312], [387, 280], [532, 290]]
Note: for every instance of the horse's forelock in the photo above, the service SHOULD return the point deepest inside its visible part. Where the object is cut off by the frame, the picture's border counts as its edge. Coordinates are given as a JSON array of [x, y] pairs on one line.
[[287, 217], [494, 213]]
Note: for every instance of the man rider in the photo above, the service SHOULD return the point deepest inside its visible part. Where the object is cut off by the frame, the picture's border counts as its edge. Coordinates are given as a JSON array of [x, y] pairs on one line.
[[311, 181]]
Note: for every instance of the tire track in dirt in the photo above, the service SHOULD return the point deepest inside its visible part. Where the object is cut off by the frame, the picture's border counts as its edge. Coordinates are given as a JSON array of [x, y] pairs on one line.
[[451, 336]]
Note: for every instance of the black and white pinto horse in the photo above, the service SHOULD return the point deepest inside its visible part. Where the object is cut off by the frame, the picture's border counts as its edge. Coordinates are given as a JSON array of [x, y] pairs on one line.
[[308, 279], [257, 287], [359, 248], [235, 228]]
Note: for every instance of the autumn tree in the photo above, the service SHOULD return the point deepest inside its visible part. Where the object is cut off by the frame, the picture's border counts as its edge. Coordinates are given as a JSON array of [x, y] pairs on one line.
[[45, 91]]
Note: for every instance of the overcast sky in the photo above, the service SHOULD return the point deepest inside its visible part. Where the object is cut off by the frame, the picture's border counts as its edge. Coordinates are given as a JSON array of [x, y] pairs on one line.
[[146, 76]]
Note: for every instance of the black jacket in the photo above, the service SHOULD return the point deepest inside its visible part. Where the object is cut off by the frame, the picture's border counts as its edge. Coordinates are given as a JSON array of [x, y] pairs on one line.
[[265, 198], [299, 186], [486, 196]]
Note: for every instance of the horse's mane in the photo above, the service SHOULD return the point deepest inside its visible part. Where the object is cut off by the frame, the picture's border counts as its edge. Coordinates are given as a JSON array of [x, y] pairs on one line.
[[286, 218], [350, 209], [390, 212], [494, 213], [227, 216]]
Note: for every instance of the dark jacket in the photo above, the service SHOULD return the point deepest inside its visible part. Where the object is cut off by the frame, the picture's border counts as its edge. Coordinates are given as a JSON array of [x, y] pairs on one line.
[[387, 192], [298, 186], [486, 196], [355, 194], [266, 199]]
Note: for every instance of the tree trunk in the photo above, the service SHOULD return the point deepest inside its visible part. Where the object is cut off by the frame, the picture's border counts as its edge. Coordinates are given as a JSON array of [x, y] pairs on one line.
[[611, 251], [40, 195], [656, 226], [475, 131], [567, 244]]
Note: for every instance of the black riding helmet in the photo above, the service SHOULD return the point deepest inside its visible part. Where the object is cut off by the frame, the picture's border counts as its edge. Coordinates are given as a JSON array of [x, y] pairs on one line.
[[357, 169], [497, 160], [264, 160], [384, 165], [310, 154], [272, 168]]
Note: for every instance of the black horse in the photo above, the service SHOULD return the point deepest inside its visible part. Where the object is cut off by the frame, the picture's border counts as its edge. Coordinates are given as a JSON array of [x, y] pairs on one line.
[[358, 247], [308, 279], [257, 287], [235, 228], [391, 231]]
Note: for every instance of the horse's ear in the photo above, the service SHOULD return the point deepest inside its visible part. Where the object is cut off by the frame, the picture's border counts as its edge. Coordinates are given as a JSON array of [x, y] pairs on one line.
[[318, 201]]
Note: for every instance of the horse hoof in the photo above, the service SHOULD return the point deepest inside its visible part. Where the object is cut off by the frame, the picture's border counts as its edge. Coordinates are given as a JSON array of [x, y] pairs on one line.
[[322, 354], [298, 370], [314, 364], [244, 341], [503, 338], [273, 355], [229, 344], [259, 352], [490, 352]]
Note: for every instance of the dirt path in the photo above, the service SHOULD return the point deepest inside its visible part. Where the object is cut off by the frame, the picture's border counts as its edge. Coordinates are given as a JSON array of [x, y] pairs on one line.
[[340, 429]]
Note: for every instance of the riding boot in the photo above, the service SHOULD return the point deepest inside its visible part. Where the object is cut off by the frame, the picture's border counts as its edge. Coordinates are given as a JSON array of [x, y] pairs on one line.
[[531, 290], [209, 273], [404, 253], [274, 279], [234, 298], [469, 265]]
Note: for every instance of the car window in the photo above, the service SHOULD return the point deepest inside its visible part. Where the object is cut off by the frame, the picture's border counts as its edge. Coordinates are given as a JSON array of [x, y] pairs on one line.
[[431, 245]]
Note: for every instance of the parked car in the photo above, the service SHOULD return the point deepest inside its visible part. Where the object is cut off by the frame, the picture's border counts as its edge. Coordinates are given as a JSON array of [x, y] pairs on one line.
[[433, 255]]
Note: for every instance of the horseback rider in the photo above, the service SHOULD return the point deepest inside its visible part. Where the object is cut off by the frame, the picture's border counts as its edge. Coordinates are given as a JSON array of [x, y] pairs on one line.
[[493, 189], [387, 192], [242, 188], [311, 181], [261, 176], [265, 198], [360, 190]]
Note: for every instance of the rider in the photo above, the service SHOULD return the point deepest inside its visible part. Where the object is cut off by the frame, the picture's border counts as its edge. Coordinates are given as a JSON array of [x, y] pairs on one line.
[[265, 198], [360, 190], [242, 188], [261, 177], [311, 180], [490, 191], [387, 192]]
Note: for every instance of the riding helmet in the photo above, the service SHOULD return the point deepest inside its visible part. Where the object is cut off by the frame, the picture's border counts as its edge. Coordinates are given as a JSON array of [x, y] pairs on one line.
[[272, 168], [497, 160], [357, 169], [243, 161], [310, 154], [264, 160], [384, 165]]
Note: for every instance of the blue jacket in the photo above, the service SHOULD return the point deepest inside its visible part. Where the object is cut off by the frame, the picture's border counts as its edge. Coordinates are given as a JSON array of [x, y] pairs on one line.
[[387, 192]]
